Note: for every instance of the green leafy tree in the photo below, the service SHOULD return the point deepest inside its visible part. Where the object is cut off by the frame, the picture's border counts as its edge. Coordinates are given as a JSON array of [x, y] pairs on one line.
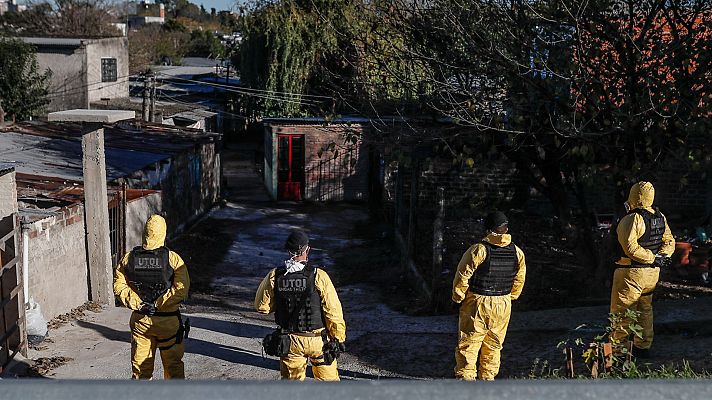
[[23, 87], [204, 44], [287, 45]]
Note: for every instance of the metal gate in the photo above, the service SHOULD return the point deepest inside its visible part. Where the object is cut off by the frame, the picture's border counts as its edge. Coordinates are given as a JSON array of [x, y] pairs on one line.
[[117, 224], [12, 308]]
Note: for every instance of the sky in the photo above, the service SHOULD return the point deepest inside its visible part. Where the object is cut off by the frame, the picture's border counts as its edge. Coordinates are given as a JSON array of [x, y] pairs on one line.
[[218, 4]]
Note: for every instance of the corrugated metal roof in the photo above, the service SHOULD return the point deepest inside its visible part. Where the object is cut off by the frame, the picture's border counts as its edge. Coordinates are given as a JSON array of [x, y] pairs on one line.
[[6, 168], [54, 150], [62, 158]]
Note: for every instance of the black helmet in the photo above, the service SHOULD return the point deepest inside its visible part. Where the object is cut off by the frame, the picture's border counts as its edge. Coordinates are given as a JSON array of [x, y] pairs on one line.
[[297, 242], [494, 220]]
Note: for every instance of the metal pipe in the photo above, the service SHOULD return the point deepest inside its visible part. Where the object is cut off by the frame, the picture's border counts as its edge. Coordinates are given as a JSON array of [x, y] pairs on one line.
[[25, 225]]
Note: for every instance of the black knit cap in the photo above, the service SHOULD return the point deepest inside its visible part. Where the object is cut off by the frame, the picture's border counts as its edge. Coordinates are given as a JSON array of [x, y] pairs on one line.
[[296, 242], [495, 219]]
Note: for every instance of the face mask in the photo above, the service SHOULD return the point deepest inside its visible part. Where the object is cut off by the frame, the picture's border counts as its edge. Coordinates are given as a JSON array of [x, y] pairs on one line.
[[627, 206], [294, 266]]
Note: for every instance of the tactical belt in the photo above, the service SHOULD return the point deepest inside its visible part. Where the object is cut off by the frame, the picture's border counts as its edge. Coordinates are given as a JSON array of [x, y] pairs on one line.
[[161, 313], [636, 266], [306, 334], [183, 328]]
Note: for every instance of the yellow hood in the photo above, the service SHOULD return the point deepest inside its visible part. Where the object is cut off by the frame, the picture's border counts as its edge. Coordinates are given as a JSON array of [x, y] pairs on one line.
[[641, 195], [499, 240], [154, 234]]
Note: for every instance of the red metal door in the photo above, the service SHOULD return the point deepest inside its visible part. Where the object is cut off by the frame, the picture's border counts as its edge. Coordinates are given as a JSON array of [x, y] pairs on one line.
[[290, 167]]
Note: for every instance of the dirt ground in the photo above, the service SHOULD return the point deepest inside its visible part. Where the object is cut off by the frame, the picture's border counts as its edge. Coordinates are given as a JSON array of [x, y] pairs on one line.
[[389, 334]]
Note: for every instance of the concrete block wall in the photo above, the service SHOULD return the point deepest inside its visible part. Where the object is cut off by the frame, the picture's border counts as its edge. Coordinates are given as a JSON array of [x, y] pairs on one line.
[[333, 176], [57, 262], [68, 86], [107, 48], [8, 192], [137, 213]]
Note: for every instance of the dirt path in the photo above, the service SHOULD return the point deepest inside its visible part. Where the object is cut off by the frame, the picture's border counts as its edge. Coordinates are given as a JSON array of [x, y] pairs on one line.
[[236, 246]]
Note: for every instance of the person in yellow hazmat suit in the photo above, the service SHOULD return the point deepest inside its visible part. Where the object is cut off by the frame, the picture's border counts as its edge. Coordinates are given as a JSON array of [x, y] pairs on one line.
[[153, 281], [490, 275], [646, 244], [308, 313]]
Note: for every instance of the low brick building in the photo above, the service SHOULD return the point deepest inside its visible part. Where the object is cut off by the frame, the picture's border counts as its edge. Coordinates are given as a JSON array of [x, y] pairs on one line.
[[318, 160]]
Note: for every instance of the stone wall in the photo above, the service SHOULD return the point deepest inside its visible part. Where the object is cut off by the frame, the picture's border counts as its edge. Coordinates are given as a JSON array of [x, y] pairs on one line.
[[57, 263]]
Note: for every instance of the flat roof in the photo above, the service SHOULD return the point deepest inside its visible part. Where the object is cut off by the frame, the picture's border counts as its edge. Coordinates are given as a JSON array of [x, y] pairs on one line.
[[91, 116], [64, 42], [47, 41]]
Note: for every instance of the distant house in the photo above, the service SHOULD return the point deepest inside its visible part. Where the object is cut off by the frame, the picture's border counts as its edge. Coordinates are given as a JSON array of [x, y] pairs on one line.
[[147, 12], [10, 6], [83, 70]]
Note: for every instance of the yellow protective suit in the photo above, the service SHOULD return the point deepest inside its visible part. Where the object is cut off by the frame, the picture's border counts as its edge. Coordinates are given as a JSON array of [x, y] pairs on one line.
[[149, 333], [294, 365], [633, 287], [483, 319]]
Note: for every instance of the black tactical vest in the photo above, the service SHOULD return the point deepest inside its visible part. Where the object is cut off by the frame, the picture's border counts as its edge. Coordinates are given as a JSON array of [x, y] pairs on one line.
[[149, 272], [495, 276], [298, 303], [652, 239]]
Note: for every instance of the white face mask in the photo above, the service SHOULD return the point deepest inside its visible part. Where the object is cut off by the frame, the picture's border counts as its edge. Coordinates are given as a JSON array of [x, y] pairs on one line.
[[294, 266]]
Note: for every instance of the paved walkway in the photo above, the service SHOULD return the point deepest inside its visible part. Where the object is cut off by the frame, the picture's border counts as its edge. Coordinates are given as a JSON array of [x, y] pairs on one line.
[[226, 333]]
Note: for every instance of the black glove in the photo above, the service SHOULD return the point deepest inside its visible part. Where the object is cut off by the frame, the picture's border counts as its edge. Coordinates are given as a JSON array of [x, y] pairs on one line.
[[662, 261], [342, 346], [147, 309]]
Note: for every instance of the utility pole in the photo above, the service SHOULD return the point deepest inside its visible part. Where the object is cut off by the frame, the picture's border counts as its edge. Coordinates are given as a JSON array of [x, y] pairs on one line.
[[144, 114], [152, 107]]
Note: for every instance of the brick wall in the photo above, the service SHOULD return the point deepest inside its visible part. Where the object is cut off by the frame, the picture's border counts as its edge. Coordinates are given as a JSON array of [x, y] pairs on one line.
[[57, 262], [482, 186], [335, 168]]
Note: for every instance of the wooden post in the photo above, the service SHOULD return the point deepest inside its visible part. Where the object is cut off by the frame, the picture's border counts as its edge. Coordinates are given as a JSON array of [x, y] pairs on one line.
[[570, 363]]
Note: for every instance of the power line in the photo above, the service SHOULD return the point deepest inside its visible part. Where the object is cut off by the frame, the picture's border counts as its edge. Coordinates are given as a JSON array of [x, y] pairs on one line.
[[199, 104], [263, 90], [233, 89]]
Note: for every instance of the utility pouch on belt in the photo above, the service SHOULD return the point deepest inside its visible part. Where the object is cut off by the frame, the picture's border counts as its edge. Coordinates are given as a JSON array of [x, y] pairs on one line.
[[330, 349], [277, 343], [183, 330]]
